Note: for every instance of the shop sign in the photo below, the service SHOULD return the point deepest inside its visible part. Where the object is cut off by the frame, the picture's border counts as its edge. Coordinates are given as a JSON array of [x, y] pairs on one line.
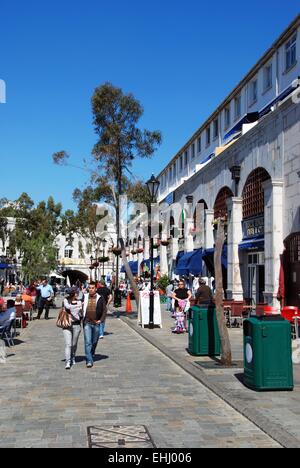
[[254, 227]]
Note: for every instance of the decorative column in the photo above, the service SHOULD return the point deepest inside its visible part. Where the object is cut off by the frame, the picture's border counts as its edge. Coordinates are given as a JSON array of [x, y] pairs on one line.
[[147, 248], [209, 229], [164, 268], [273, 190], [235, 236], [188, 236]]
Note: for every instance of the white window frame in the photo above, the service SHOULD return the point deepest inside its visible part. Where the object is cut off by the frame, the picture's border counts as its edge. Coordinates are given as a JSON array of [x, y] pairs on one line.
[[237, 107], [208, 136], [291, 53], [268, 77], [216, 129], [186, 159], [253, 95], [67, 251], [193, 151], [199, 144], [227, 117]]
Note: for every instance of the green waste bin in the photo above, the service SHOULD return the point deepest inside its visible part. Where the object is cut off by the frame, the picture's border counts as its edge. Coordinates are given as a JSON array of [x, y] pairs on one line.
[[204, 337], [268, 353]]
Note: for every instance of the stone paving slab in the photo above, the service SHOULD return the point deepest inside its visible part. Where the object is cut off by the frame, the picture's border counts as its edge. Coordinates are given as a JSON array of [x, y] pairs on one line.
[[132, 383], [276, 413]]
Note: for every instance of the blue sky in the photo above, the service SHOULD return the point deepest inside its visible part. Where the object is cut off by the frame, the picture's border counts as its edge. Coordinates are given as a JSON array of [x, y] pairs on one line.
[[179, 58]]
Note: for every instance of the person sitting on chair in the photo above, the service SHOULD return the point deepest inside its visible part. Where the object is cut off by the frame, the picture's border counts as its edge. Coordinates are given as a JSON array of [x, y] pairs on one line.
[[8, 313]]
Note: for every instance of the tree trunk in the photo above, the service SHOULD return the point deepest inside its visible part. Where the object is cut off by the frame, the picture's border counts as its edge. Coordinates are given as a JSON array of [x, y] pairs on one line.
[[226, 357], [129, 274]]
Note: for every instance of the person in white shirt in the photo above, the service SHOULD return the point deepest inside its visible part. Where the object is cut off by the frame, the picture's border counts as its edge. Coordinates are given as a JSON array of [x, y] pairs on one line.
[[74, 308]]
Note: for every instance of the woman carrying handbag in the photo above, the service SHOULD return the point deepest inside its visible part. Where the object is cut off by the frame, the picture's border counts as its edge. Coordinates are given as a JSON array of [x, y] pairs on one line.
[[70, 321]]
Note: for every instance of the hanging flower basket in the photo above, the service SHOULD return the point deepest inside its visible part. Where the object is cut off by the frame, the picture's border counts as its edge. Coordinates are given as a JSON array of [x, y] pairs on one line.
[[165, 243], [103, 259], [140, 251], [155, 246], [134, 252], [117, 251], [92, 268], [95, 265]]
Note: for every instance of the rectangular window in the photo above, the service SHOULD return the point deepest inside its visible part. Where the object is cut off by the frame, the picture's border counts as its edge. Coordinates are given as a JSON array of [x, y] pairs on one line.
[[268, 77], [216, 128], [174, 171], [290, 53], [237, 107], [208, 136], [185, 159], [193, 150], [227, 117], [199, 145], [181, 163], [253, 92]]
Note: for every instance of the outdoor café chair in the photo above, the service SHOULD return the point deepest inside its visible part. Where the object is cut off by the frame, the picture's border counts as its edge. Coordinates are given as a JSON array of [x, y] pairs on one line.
[[7, 335]]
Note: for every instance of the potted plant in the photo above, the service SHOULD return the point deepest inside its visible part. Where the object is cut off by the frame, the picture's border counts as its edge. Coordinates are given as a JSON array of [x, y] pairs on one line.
[[162, 283]]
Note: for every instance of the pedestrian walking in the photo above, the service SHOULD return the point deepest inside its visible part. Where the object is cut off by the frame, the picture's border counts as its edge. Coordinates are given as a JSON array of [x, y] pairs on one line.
[[182, 295], [204, 295], [74, 308], [46, 297], [105, 292], [94, 313]]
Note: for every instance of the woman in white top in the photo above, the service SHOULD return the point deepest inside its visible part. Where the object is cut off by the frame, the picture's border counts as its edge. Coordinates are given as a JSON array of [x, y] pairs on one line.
[[71, 335]]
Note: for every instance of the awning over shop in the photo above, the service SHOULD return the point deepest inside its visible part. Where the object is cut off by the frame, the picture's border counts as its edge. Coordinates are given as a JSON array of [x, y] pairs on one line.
[[248, 118], [208, 257], [190, 263], [285, 93], [133, 266], [257, 243]]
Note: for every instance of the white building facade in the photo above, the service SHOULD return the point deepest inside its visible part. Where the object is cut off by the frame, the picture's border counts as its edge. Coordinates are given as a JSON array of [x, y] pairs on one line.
[[244, 163]]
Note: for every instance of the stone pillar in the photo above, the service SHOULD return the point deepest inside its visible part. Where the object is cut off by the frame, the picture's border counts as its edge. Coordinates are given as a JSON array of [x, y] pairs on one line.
[[235, 236], [209, 229], [188, 236], [147, 248], [273, 190], [164, 269]]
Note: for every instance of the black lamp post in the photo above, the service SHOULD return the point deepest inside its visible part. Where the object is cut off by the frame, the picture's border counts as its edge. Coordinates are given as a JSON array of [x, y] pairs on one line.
[[92, 260], [104, 242], [153, 187], [236, 176]]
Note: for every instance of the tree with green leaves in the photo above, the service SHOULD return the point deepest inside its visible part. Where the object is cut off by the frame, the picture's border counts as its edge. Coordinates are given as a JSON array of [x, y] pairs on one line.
[[120, 142], [34, 235]]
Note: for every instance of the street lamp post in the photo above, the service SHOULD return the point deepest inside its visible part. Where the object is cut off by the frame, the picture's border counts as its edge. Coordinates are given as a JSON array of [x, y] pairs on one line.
[[104, 242], [153, 187], [92, 260]]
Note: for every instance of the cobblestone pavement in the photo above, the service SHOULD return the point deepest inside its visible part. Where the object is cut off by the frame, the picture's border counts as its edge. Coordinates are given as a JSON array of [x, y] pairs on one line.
[[276, 412], [42, 405]]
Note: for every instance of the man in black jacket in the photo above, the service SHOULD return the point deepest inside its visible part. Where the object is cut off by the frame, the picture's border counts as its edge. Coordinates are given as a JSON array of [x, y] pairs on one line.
[[94, 314]]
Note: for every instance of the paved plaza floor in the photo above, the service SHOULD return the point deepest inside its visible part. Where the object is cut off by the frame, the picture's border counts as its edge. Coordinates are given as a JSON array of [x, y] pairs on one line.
[[277, 413], [132, 383]]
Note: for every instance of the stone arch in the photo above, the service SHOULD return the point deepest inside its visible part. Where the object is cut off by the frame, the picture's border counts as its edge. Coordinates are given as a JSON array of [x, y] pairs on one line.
[[253, 193], [75, 275], [220, 206]]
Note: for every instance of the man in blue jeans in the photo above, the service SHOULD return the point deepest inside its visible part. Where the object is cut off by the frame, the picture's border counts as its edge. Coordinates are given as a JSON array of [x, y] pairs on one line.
[[94, 314]]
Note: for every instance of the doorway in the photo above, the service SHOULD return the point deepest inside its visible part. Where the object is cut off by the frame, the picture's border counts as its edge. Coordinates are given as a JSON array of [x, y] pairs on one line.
[[256, 277]]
